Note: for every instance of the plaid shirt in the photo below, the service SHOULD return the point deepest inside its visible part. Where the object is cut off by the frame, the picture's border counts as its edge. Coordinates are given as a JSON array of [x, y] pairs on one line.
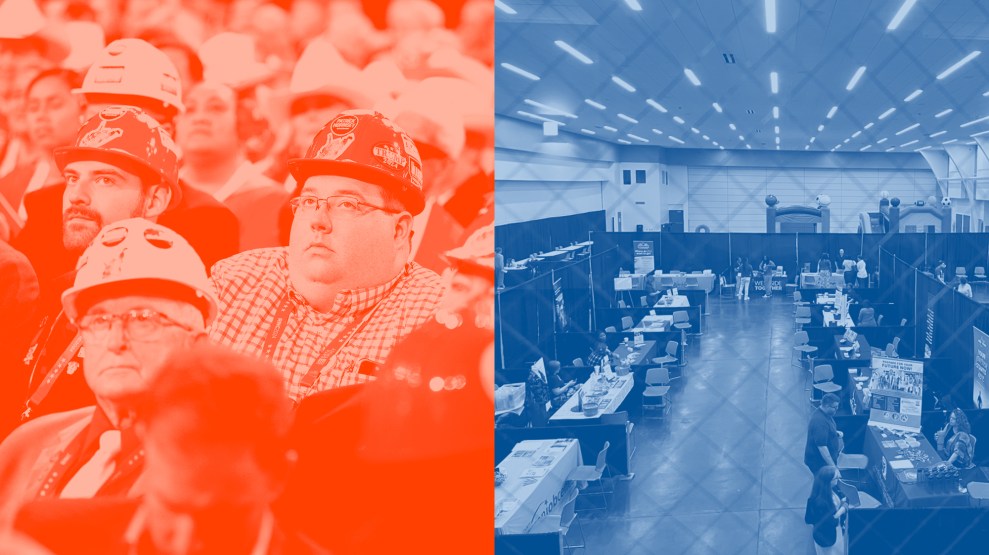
[[252, 286]]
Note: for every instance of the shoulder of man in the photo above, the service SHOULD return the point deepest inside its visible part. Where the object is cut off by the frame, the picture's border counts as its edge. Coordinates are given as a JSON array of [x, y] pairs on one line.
[[94, 525], [422, 287], [59, 423], [249, 264]]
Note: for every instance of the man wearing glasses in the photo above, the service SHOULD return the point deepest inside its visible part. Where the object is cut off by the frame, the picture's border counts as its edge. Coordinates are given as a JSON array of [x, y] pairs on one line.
[[328, 308], [140, 294]]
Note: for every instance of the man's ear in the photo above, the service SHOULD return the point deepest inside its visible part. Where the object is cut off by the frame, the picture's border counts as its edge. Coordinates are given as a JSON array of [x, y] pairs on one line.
[[403, 228], [156, 200]]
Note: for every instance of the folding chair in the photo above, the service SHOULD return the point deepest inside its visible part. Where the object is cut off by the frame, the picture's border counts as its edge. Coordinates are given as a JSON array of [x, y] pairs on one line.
[[627, 322], [670, 356], [802, 318], [823, 382], [611, 329], [723, 286], [561, 519], [597, 473], [644, 301], [654, 397], [801, 346]]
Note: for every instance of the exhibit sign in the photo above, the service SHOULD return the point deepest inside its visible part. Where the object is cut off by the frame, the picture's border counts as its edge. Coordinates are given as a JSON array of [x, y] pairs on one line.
[[642, 254], [980, 359], [929, 327], [897, 391], [561, 312]]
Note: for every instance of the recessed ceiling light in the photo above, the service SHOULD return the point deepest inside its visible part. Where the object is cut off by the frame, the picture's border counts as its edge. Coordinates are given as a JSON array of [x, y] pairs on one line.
[[908, 143], [622, 83], [692, 76], [610, 128], [717, 107], [519, 71], [886, 114], [944, 112], [855, 78], [913, 95], [627, 118], [540, 118], [573, 52], [881, 141], [774, 82], [553, 109], [770, 16], [974, 121], [831, 112], [678, 119], [624, 142], [820, 128], [812, 139], [657, 131], [588, 131], [732, 126], [866, 147], [938, 134], [905, 129], [594, 104], [856, 134], [957, 65], [634, 4], [505, 7], [675, 140], [638, 138], [776, 112], [868, 125], [900, 14], [695, 130], [656, 105], [949, 142]]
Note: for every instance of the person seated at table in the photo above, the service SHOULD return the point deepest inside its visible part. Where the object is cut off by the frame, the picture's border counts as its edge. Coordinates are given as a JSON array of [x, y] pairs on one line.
[[964, 287], [599, 350], [545, 386], [956, 442], [867, 316]]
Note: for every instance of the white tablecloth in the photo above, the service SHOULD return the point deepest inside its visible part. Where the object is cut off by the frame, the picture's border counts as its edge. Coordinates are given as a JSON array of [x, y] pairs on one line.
[[651, 323], [535, 472], [679, 301], [705, 282], [607, 403]]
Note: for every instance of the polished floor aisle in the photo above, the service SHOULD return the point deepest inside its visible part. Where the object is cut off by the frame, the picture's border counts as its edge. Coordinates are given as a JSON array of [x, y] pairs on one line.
[[723, 473]]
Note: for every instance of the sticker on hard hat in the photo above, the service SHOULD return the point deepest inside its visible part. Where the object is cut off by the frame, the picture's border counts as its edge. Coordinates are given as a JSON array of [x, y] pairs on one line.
[[415, 173], [342, 125], [389, 155], [100, 136], [334, 147], [113, 112], [410, 145]]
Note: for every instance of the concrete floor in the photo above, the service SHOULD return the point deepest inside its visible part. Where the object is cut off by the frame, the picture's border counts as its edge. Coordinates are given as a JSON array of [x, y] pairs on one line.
[[724, 473]]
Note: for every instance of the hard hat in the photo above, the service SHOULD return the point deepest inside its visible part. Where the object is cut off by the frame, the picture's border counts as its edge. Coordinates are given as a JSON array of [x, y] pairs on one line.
[[232, 59], [134, 67], [366, 145], [476, 255], [127, 137], [321, 70], [24, 20], [385, 76], [137, 256], [424, 111]]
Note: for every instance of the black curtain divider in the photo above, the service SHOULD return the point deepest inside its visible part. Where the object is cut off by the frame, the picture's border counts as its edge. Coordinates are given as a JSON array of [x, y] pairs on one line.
[[521, 239]]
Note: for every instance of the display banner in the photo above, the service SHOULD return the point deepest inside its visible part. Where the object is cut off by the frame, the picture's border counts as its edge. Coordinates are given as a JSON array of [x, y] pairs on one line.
[[980, 393], [642, 253], [561, 313], [929, 327], [897, 391]]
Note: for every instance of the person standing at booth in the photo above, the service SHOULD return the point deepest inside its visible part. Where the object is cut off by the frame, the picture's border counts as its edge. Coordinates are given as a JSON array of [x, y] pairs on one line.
[[826, 512], [744, 279], [861, 275], [768, 269]]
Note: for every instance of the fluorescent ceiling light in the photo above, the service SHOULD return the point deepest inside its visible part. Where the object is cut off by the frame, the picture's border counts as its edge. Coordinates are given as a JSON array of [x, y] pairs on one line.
[[656, 105], [732, 126], [610, 128], [748, 146], [913, 95], [717, 107], [845, 141], [675, 140], [627, 118], [881, 141], [774, 82], [971, 56], [624, 142], [715, 143], [890, 149], [938, 134], [554, 110], [777, 140], [588, 131], [820, 128], [974, 121], [868, 125], [985, 93], [900, 14], [540, 118], [519, 71], [678, 119], [905, 129], [776, 128], [622, 83], [812, 139], [944, 112], [913, 142], [979, 133], [573, 52], [705, 137], [741, 137], [831, 112], [593, 104], [886, 114], [770, 16], [837, 147], [855, 78], [806, 147], [505, 7], [695, 130], [692, 76], [856, 134], [970, 143], [634, 4], [638, 138], [776, 112], [866, 147], [657, 131], [949, 142], [922, 148]]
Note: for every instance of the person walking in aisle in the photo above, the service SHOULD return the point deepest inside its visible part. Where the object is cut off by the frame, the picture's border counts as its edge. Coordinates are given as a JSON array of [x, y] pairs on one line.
[[768, 268], [861, 275], [744, 279]]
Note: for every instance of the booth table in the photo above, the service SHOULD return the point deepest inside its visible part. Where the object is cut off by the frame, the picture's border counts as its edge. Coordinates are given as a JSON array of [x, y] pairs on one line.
[[654, 323], [813, 280], [843, 353], [668, 305], [887, 450], [535, 473], [517, 275], [643, 354], [679, 301], [680, 281], [612, 394], [759, 283]]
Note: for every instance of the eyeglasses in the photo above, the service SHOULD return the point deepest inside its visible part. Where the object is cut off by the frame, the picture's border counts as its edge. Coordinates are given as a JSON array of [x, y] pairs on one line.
[[348, 206], [138, 325]]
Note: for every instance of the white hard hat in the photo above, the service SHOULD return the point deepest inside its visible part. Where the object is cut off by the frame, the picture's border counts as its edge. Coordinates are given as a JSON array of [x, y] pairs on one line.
[[134, 67], [425, 113], [384, 75], [232, 59], [23, 19], [137, 256], [322, 70]]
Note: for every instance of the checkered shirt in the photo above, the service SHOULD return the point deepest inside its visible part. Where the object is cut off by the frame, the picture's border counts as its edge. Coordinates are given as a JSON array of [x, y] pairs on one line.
[[252, 285]]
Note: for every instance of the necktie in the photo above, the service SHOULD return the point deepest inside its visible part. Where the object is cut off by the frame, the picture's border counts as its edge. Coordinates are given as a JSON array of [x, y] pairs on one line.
[[91, 476]]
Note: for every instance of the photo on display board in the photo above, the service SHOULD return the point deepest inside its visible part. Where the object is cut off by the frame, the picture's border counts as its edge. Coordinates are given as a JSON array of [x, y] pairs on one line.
[[261, 233]]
